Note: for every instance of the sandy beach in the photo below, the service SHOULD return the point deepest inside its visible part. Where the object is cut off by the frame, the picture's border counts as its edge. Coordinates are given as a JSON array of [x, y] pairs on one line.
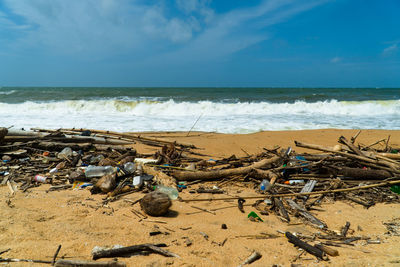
[[34, 223]]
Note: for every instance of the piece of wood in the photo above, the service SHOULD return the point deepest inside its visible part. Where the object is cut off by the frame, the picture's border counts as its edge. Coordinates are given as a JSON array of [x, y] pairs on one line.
[[126, 251], [55, 255], [364, 174], [345, 228], [305, 214], [393, 167], [356, 188], [218, 174], [282, 211], [350, 145], [353, 138], [78, 263], [307, 247], [327, 250]]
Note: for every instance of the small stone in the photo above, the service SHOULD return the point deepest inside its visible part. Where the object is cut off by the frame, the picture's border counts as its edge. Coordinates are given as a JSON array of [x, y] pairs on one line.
[[223, 226]]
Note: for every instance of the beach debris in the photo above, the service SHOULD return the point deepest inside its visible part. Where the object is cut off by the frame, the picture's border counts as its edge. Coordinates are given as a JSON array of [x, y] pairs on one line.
[[307, 247], [252, 258], [155, 203], [120, 251], [286, 183], [80, 263]]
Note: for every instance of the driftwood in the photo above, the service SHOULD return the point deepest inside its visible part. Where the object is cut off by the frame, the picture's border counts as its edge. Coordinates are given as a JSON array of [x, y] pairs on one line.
[[127, 251], [356, 188], [364, 174], [392, 167], [132, 137], [307, 247], [305, 214], [75, 263], [327, 250], [278, 203], [218, 174]]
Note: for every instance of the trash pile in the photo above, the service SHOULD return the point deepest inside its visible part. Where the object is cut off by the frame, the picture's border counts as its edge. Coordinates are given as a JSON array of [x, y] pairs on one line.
[[287, 183]]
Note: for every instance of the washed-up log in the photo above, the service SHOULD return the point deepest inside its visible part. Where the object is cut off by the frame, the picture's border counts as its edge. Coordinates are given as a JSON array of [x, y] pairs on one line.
[[119, 148], [132, 137], [307, 247], [127, 251], [218, 174], [76, 263], [392, 166], [363, 174], [58, 146], [160, 177], [305, 214]]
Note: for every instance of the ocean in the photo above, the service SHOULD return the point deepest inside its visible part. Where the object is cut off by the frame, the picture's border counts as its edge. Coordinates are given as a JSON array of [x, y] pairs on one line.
[[222, 110]]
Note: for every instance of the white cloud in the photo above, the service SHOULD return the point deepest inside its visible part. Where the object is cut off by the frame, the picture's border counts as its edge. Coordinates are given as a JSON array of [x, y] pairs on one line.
[[336, 60], [102, 27], [390, 50]]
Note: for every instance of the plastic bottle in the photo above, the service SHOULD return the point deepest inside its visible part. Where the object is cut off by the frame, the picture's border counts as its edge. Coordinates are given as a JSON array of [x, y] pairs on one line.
[[98, 171], [40, 178], [130, 167], [171, 192], [265, 185], [65, 153]]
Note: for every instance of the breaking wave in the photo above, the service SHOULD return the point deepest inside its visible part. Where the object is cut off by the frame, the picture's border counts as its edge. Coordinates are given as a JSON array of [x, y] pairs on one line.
[[240, 117]]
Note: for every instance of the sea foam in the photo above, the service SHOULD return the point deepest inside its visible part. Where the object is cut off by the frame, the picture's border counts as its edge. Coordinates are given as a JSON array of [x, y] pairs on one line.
[[170, 115]]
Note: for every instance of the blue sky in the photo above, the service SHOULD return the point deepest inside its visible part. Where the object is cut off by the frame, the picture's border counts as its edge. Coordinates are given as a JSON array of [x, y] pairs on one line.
[[238, 43]]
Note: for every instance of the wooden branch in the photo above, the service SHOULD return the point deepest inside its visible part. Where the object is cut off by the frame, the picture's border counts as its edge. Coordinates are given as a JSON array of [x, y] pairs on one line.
[[218, 174], [395, 168], [353, 139], [305, 214], [75, 263], [350, 145], [125, 251], [301, 194], [364, 174], [307, 247]]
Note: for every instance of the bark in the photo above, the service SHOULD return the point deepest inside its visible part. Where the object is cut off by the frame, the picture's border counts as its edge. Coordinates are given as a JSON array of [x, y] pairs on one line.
[[364, 174], [218, 174]]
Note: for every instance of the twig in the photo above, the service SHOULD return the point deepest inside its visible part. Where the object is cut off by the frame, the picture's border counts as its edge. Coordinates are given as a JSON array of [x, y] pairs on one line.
[[55, 255], [300, 194], [194, 125]]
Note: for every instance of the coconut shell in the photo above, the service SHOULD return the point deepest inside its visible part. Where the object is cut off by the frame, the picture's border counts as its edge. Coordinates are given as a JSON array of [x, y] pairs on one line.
[[155, 203], [106, 183]]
